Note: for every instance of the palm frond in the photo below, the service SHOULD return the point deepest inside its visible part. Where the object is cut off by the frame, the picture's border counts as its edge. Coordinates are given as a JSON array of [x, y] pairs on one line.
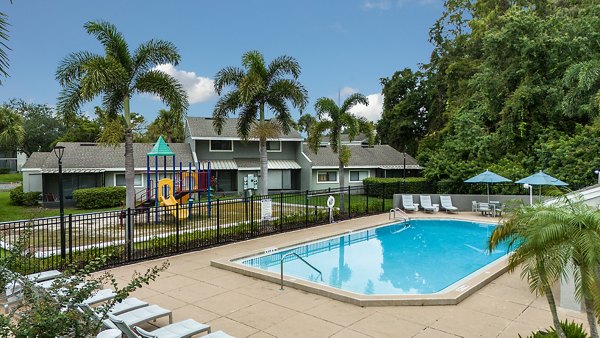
[[3, 46], [352, 101], [251, 87], [229, 76], [69, 101], [227, 104], [325, 107], [268, 130], [290, 90], [247, 120], [168, 89], [254, 62], [316, 134], [153, 53], [112, 40], [283, 65], [12, 132]]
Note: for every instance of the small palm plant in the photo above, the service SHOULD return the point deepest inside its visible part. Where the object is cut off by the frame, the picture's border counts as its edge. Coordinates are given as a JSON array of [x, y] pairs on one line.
[[333, 120]]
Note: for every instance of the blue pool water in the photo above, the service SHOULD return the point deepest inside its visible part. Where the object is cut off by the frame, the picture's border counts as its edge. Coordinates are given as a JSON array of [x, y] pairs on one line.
[[424, 257]]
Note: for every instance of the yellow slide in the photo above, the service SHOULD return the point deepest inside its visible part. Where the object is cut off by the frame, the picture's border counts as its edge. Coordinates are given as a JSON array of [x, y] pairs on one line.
[[171, 201]]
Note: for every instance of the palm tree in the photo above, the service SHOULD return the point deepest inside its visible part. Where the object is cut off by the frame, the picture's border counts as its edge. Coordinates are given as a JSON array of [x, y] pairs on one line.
[[254, 89], [168, 124], [305, 123], [333, 120], [542, 265], [3, 45], [12, 132], [117, 76]]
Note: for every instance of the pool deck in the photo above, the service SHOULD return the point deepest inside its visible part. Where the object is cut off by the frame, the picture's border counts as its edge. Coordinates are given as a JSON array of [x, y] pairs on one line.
[[248, 307]]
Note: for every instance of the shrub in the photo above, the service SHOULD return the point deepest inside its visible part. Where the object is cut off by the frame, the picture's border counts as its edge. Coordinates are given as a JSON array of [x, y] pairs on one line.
[[95, 198], [4, 171], [571, 330], [378, 186], [18, 197]]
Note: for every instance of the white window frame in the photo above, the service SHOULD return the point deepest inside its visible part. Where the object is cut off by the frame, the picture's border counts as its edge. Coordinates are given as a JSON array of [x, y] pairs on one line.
[[136, 186], [337, 177], [359, 181], [275, 151], [210, 149]]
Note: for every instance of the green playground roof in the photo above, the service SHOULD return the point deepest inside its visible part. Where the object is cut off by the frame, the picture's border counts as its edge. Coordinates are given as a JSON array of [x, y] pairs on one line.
[[161, 148]]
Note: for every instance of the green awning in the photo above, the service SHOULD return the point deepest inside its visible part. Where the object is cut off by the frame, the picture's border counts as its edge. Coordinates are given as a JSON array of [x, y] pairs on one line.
[[161, 148]]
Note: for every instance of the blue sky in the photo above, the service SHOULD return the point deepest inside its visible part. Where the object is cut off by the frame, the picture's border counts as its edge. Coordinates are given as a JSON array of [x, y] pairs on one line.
[[341, 45]]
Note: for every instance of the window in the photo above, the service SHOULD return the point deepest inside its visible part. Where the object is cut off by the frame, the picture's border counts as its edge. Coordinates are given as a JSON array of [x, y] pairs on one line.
[[327, 177], [358, 175], [120, 180], [274, 146], [221, 145]]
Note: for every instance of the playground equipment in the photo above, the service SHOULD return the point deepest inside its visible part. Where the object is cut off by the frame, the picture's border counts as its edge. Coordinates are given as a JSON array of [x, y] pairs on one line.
[[176, 190]]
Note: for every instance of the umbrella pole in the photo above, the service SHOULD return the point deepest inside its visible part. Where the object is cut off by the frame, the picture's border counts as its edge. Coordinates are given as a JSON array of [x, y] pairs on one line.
[[540, 198], [488, 191]]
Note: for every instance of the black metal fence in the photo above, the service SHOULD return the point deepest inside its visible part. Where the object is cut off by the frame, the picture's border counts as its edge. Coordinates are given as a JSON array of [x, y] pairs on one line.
[[167, 230]]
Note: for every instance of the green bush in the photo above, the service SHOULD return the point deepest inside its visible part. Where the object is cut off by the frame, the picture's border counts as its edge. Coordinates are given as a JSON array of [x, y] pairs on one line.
[[380, 186], [18, 197], [571, 330], [95, 198], [4, 171]]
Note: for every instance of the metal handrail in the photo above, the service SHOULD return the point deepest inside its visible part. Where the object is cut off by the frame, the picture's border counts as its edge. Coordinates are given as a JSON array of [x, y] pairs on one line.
[[401, 212], [302, 259]]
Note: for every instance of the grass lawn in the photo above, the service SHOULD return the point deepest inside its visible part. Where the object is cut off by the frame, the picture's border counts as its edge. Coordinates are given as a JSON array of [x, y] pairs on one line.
[[10, 212], [9, 178]]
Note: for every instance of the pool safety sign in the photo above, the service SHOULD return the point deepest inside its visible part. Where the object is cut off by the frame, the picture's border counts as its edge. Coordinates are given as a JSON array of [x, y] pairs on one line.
[[266, 209]]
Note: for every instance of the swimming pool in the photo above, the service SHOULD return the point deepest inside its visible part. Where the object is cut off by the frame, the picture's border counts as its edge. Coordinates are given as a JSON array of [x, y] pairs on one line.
[[420, 257]]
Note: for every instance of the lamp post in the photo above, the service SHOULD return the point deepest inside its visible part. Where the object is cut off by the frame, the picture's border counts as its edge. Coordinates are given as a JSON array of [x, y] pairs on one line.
[[59, 151], [530, 187], [597, 172]]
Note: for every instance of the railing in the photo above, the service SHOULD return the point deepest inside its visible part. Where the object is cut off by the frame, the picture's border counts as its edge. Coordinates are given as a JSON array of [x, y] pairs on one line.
[[302, 259]]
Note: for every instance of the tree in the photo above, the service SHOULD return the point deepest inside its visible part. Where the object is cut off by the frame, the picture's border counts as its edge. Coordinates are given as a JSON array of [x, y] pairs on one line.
[[42, 129], [333, 120], [81, 129], [255, 88], [117, 76], [168, 125], [305, 123], [12, 132], [542, 266]]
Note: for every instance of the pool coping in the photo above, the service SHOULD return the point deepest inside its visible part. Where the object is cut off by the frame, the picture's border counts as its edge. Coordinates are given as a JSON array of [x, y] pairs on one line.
[[468, 285]]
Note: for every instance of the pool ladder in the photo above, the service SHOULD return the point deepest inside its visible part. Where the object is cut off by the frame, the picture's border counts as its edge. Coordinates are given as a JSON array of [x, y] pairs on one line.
[[302, 259], [403, 215]]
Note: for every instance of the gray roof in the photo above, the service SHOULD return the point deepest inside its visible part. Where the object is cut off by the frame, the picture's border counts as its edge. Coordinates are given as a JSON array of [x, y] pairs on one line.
[[202, 127], [378, 156], [345, 138], [80, 155]]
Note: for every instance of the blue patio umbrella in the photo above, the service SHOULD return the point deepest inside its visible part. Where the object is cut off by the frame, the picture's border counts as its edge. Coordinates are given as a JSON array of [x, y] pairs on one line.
[[541, 178], [489, 178]]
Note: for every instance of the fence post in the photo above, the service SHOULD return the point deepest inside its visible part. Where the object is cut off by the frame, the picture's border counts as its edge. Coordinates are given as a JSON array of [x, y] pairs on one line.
[[218, 220], [367, 212], [383, 198], [129, 230], [71, 238], [280, 211], [349, 205], [306, 208], [177, 226], [251, 214]]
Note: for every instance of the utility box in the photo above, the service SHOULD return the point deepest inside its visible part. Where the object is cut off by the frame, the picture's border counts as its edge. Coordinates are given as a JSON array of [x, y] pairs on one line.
[[250, 182]]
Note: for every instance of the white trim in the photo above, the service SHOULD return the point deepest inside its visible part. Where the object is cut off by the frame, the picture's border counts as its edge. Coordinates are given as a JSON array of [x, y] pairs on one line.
[[135, 186], [359, 181], [223, 138], [337, 176], [275, 151], [346, 167], [210, 149]]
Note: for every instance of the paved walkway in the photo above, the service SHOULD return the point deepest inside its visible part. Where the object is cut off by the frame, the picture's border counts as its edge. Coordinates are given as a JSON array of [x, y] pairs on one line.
[[247, 307]]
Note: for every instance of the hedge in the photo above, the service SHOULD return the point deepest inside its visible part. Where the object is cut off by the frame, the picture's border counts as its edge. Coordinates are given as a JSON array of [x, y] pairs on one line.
[[95, 198], [18, 197], [4, 171], [376, 186]]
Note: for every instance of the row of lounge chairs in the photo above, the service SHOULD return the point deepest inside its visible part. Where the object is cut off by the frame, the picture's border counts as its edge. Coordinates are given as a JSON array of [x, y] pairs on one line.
[[123, 317], [426, 205]]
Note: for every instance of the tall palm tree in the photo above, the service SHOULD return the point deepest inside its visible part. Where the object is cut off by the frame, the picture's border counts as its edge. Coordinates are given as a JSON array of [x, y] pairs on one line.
[[333, 120], [305, 123], [542, 265], [255, 88], [12, 132], [117, 76]]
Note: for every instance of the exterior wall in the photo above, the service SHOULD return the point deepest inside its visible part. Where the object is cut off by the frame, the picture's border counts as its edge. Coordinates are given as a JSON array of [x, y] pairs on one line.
[[245, 150], [306, 171], [318, 186], [32, 181]]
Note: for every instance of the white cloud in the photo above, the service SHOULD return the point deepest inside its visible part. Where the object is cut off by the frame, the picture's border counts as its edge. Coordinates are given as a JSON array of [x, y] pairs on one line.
[[372, 112], [198, 88], [380, 4], [347, 91]]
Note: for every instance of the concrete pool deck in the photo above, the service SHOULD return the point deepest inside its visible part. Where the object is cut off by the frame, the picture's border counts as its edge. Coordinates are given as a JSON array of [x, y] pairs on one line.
[[248, 307]]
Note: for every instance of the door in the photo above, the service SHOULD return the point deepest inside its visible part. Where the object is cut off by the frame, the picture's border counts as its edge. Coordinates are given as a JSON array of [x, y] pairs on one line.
[[275, 180]]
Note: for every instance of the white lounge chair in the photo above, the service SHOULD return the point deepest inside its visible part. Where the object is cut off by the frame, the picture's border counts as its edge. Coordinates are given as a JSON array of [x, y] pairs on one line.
[[186, 328], [484, 208], [131, 318], [426, 203], [446, 204], [408, 204]]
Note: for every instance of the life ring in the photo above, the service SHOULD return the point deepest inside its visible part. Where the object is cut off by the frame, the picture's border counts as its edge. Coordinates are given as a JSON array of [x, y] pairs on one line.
[[330, 201]]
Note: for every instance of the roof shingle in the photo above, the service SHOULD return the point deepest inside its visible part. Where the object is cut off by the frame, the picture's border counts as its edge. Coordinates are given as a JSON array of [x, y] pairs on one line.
[[202, 127], [375, 156]]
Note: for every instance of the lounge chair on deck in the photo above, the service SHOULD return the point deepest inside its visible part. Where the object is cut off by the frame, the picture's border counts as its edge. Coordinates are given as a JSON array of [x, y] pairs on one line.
[[186, 328], [131, 318], [408, 204], [426, 203], [484, 208], [446, 204]]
